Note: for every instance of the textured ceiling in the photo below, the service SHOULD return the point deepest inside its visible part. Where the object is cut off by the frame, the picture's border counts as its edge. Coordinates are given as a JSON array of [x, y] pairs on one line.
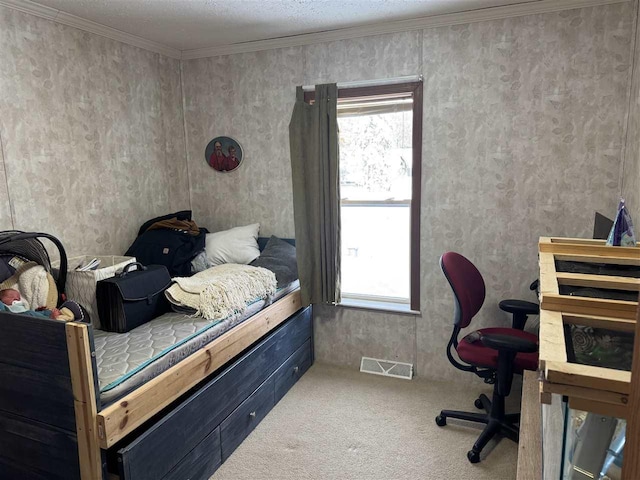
[[191, 24]]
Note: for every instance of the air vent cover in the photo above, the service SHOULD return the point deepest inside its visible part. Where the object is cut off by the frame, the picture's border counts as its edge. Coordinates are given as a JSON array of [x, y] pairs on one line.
[[388, 368]]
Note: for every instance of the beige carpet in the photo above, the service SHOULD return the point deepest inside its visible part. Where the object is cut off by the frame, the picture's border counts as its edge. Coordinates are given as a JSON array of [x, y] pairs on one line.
[[341, 424]]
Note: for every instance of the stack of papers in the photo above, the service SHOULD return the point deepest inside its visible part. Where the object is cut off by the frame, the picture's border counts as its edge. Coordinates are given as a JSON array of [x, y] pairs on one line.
[[92, 264]]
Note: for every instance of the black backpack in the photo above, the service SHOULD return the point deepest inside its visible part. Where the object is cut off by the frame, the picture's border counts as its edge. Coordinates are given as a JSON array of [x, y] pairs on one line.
[[172, 248]]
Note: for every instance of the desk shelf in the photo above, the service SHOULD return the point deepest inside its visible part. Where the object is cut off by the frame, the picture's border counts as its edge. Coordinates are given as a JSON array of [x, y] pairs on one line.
[[588, 314], [592, 385], [587, 277]]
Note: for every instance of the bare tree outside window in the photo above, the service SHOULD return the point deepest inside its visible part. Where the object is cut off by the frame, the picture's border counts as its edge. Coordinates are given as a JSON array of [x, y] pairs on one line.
[[375, 186], [380, 169]]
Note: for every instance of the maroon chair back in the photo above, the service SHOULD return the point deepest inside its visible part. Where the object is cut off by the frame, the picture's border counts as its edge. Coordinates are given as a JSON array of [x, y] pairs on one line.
[[467, 285]]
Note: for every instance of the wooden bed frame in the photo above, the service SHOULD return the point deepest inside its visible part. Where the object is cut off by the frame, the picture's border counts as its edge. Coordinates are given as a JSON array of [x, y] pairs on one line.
[[590, 388], [33, 369]]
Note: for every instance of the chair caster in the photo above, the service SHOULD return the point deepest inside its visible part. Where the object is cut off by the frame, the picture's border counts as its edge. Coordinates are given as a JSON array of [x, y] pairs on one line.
[[473, 456], [478, 404], [441, 421]]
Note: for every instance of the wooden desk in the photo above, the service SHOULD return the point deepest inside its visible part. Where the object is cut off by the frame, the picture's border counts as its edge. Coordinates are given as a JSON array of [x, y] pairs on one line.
[[530, 445], [590, 388], [604, 391]]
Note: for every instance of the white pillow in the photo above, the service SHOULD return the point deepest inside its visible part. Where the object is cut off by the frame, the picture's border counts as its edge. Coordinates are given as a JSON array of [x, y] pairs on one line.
[[237, 245]]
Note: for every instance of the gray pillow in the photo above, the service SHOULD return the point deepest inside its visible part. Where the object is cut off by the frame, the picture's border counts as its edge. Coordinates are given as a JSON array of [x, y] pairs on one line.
[[279, 257]]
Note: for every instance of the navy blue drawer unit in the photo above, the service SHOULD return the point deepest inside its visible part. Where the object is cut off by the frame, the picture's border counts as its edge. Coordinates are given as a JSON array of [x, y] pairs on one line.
[[199, 462], [245, 418], [196, 434], [292, 370]]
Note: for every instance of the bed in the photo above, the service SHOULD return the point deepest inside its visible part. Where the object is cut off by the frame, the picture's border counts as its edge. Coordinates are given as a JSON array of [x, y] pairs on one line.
[[125, 361], [177, 410]]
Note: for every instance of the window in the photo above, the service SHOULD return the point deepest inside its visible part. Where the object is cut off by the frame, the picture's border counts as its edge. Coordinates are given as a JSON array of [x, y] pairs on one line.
[[380, 160]]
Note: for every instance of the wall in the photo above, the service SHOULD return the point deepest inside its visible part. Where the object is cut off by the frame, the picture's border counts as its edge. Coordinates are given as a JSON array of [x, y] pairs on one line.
[[5, 210], [248, 97], [523, 136], [92, 135], [533, 109], [631, 172]]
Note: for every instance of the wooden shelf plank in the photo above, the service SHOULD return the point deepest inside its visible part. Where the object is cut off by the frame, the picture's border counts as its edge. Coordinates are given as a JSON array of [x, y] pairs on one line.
[[594, 321], [589, 306], [602, 396], [598, 281], [548, 282], [597, 259], [603, 251], [530, 444], [631, 463], [587, 376], [552, 344], [600, 408], [575, 241]]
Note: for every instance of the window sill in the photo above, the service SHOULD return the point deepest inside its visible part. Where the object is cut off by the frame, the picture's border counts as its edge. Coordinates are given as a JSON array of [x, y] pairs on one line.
[[391, 307]]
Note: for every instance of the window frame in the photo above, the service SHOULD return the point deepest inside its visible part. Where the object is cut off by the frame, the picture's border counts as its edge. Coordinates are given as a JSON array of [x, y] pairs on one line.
[[415, 89]]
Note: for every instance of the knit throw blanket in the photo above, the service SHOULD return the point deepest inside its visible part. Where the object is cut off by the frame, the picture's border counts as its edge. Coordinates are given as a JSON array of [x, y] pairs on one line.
[[221, 291]]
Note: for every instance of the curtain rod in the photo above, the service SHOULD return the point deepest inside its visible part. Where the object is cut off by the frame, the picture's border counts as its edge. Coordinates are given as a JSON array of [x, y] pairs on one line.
[[372, 83]]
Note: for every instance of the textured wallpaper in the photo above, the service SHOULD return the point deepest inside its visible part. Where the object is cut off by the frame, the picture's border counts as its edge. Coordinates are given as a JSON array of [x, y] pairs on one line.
[[523, 136], [92, 134], [249, 97], [5, 208], [367, 58], [344, 335], [631, 178]]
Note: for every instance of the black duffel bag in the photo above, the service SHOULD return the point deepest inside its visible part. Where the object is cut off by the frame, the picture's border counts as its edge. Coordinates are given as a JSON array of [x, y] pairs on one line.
[[132, 298], [173, 248]]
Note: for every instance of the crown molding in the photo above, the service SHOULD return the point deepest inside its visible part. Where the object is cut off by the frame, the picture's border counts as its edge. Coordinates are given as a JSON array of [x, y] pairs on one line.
[[495, 13], [58, 16]]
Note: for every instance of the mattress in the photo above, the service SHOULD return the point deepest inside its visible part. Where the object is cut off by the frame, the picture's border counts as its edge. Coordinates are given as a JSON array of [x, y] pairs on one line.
[[127, 360]]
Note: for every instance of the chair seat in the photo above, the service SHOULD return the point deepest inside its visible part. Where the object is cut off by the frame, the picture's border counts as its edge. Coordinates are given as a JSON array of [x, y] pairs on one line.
[[471, 350]]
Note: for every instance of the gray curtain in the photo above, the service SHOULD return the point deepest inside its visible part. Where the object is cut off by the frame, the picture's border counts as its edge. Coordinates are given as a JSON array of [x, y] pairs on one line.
[[313, 139]]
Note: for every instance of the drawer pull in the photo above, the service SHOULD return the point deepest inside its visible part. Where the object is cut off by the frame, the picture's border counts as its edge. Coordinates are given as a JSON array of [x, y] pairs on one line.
[[252, 415], [296, 369]]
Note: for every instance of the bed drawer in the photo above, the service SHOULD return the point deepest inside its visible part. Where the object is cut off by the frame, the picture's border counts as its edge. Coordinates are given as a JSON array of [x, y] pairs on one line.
[[201, 462], [154, 452], [245, 418], [289, 373]]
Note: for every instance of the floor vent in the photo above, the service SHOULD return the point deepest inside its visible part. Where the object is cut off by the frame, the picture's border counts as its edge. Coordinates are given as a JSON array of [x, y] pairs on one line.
[[388, 368]]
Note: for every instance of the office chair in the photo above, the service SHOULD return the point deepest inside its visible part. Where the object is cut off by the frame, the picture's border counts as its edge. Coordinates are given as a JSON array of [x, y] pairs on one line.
[[494, 354]]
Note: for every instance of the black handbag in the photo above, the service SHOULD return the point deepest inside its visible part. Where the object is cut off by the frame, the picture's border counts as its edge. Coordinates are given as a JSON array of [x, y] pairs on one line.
[[132, 298]]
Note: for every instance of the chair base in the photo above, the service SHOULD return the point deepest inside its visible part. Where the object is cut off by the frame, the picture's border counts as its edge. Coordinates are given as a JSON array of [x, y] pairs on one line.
[[496, 421]]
